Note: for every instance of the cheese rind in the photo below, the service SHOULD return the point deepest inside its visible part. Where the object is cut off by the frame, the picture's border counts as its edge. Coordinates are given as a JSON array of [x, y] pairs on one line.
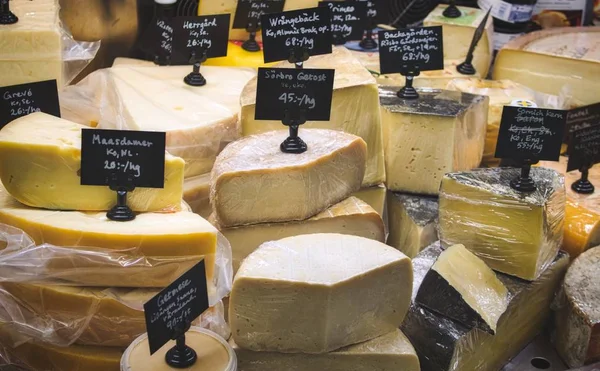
[[425, 138], [196, 193], [292, 295], [253, 181], [40, 160]]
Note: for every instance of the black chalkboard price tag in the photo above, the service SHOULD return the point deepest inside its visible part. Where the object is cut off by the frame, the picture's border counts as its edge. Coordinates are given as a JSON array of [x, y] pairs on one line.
[[158, 39], [170, 313], [420, 47], [208, 34], [21, 100], [248, 10], [584, 147], [305, 29], [348, 19], [583, 117]]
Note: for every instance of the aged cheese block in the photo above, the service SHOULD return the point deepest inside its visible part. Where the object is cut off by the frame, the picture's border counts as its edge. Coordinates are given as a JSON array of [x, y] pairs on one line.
[[197, 120], [446, 345], [253, 181], [392, 351], [514, 233], [462, 287], [570, 57], [196, 192], [351, 216], [40, 160], [412, 222], [354, 108], [441, 132], [577, 320], [374, 196], [293, 295]]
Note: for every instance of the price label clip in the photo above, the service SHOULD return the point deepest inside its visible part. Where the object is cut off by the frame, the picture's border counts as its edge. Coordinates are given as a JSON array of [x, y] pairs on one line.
[[368, 43], [452, 10], [466, 67], [121, 212], [524, 183], [247, 16], [181, 355], [252, 27], [163, 32], [197, 57], [408, 91], [298, 55], [584, 152], [6, 16]]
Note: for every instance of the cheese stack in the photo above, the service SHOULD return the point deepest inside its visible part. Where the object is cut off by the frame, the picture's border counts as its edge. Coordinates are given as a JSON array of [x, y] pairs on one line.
[[289, 306]]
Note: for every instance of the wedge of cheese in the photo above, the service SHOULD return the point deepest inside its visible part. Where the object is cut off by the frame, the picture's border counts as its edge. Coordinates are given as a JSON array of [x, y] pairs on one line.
[[412, 222], [577, 320], [197, 120], [514, 233], [462, 287], [425, 138], [444, 344], [253, 181], [392, 351], [351, 216], [40, 160], [375, 197], [196, 193], [293, 295], [354, 108], [570, 57]]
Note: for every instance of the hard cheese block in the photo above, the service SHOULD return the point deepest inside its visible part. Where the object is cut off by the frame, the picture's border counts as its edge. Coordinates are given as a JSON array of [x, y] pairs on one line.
[[514, 233], [196, 193], [40, 161], [552, 60], [351, 216], [458, 34], [374, 196], [253, 181], [412, 222], [197, 120], [293, 295], [577, 320], [425, 138], [354, 108], [446, 345], [390, 352], [462, 287]]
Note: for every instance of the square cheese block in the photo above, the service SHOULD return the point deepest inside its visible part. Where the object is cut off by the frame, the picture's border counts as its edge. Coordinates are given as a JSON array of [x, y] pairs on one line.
[[351, 216], [40, 161], [514, 233], [354, 108], [253, 181], [375, 197], [199, 121], [412, 222], [458, 35], [392, 351], [317, 293], [196, 193], [440, 132], [444, 344]]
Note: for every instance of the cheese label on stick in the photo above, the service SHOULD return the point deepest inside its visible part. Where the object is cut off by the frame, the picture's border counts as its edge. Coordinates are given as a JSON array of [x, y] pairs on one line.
[[419, 47], [248, 11], [348, 19], [21, 100], [198, 35], [584, 148]]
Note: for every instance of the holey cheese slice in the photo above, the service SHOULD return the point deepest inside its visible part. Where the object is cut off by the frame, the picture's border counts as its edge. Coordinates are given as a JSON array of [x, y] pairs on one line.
[[354, 108], [198, 121], [462, 287], [40, 161], [253, 181], [577, 320], [317, 293], [555, 59]]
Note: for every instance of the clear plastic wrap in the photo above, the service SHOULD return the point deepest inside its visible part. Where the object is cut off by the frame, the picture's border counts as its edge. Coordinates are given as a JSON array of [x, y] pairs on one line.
[[38, 47], [446, 345], [292, 295], [253, 181], [514, 233]]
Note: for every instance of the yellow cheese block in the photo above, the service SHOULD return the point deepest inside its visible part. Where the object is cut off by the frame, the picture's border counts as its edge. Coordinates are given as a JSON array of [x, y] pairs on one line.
[[412, 222], [40, 160], [374, 197], [196, 193]]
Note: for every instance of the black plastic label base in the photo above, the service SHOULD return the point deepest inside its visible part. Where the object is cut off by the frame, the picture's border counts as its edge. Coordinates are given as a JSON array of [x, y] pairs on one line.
[[368, 43], [466, 68], [408, 92], [293, 145], [120, 213], [251, 45], [583, 186], [195, 79], [181, 358], [8, 18], [521, 184], [452, 11]]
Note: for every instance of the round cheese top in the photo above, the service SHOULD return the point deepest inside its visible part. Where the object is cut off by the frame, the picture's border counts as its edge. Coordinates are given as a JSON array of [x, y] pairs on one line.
[[582, 285], [576, 45]]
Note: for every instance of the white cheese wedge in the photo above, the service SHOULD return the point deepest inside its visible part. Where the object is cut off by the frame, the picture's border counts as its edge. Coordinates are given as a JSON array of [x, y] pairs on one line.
[[354, 108], [40, 161], [294, 295], [425, 138], [196, 193], [253, 181]]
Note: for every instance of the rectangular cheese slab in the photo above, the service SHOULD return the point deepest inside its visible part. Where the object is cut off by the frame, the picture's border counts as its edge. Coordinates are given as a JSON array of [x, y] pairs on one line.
[[40, 160], [514, 233], [446, 345], [354, 108], [440, 132], [196, 193], [392, 351]]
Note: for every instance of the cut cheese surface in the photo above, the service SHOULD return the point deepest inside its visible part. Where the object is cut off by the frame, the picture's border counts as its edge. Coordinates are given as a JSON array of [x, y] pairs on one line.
[[392, 351], [462, 287], [374, 196], [514, 233], [196, 193], [253, 181], [292, 295], [354, 108], [40, 160], [441, 132]]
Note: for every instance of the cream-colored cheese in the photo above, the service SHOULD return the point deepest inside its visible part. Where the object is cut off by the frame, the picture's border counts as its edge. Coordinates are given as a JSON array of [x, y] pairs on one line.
[[196, 193], [375, 197]]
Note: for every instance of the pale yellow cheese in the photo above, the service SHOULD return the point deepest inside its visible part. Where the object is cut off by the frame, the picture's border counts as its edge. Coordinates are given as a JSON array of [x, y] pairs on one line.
[[375, 197], [40, 160], [196, 192]]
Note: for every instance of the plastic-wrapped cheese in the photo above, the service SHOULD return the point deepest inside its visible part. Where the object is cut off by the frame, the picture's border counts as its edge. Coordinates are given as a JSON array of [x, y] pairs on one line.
[[317, 293]]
